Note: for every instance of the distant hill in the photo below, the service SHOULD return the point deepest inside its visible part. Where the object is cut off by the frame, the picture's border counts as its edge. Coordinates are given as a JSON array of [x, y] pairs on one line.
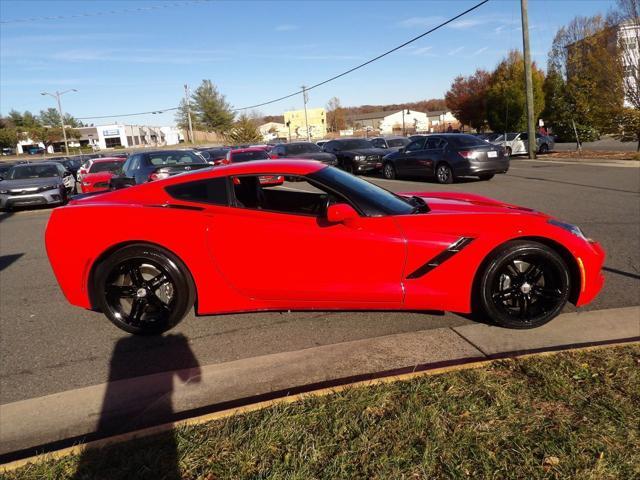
[[421, 106]]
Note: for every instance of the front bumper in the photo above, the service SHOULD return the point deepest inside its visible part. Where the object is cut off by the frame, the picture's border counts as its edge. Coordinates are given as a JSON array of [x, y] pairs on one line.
[[590, 261], [48, 197], [373, 162]]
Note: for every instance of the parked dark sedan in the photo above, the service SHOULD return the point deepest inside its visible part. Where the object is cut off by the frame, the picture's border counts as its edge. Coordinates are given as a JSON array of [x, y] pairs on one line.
[[356, 155], [306, 150], [446, 157], [148, 166]]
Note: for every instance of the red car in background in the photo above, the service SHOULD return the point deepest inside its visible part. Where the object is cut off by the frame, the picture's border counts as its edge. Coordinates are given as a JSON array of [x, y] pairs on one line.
[[101, 170], [250, 154]]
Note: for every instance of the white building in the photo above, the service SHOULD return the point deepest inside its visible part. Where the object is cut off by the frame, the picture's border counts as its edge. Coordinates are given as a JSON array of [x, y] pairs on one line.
[[272, 130], [122, 136], [629, 42], [404, 120], [442, 121]]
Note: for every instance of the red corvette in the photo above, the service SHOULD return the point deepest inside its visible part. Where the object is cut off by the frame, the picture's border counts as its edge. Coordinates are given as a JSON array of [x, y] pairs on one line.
[[101, 170], [155, 250]]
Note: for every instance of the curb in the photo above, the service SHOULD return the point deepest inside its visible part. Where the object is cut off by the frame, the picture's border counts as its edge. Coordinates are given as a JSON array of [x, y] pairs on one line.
[[341, 384]]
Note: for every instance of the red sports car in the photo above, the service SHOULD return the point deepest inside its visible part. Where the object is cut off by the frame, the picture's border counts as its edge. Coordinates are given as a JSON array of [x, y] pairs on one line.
[[99, 173], [153, 251]]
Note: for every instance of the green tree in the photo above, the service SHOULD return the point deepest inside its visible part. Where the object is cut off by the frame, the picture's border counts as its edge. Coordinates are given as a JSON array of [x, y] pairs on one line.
[[211, 108], [467, 99], [51, 117], [9, 137], [506, 96], [49, 135], [23, 120], [244, 130]]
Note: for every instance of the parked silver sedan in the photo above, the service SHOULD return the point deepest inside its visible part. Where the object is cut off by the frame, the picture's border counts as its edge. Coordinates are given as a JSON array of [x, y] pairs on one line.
[[29, 184], [518, 143]]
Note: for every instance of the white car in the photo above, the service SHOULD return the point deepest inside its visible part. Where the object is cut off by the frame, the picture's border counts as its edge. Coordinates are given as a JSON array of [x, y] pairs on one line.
[[517, 143]]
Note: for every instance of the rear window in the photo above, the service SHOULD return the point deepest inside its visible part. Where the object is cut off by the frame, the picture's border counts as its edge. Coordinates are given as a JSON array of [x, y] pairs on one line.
[[398, 142], [299, 148], [212, 190], [105, 167], [173, 158], [248, 156], [465, 140]]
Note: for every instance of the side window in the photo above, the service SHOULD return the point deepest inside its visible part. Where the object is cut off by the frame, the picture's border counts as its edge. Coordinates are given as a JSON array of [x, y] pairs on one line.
[[524, 137], [133, 163], [435, 143], [378, 142], [415, 145], [332, 147], [280, 150], [212, 190]]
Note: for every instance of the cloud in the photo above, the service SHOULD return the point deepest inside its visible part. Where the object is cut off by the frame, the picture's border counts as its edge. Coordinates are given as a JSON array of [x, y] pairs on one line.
[[455, 51], [424, 22], [286, 27], [467, 23], [140, 56], [480, 50], [423, 51]]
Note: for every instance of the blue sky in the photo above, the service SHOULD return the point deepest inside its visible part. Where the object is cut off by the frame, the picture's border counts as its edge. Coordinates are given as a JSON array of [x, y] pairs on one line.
[[254, 51]]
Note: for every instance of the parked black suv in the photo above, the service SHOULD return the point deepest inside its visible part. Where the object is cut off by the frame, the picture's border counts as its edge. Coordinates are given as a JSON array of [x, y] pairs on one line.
[[306, 150], [356, 155]]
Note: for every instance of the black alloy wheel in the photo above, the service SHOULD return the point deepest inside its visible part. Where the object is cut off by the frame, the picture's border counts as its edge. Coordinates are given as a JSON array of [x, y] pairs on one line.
[[143, 290], [444, 174], [525, 285], [388, 171]]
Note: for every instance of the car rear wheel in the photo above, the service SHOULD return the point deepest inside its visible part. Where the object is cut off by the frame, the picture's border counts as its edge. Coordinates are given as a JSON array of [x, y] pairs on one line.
[[444, 174], [487, 176], [143, 290], [389, 171], [525, 284], [508, 151]]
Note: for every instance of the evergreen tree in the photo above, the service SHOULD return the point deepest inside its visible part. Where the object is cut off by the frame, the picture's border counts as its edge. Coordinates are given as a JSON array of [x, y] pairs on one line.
[[244, 130]]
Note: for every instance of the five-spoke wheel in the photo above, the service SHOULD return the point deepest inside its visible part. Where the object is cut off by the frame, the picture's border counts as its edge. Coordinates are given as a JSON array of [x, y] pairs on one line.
[[525, 285], [143, 290]]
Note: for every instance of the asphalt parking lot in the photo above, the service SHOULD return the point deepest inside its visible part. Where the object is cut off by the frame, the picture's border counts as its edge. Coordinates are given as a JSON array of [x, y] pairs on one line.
[[49, 346]]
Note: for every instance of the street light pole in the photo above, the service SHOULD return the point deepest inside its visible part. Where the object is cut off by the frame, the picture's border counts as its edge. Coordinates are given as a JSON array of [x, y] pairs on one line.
[[305, 98], [188, 104], [532, 147], [57, 96]]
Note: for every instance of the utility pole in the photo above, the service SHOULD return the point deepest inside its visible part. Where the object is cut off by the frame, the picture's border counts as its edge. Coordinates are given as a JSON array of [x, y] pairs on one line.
[[57, 96], [305, 97], [188, 104], [532, 147]]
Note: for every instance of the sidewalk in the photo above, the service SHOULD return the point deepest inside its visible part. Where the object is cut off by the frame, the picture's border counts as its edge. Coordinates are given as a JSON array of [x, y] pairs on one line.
[[62, 419]]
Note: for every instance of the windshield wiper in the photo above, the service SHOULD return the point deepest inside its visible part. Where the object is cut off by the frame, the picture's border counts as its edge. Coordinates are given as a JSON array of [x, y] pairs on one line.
[[420, 206]]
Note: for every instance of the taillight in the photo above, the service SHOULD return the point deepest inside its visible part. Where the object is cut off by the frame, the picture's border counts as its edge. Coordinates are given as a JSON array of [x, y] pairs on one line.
[[467, 154], [158, 176]]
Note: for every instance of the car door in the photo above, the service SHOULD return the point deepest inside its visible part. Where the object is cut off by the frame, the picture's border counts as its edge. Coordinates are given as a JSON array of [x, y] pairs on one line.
[[270, 254], [520, 143], [433, 152], [406, 164]]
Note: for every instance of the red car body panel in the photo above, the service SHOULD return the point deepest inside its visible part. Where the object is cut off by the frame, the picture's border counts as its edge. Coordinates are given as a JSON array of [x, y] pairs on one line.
[[363, 264]]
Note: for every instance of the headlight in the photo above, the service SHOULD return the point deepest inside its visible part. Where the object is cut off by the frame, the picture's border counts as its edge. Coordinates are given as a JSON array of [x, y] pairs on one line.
[[359, 158], [48, 187], [568, 227], [4, 192]]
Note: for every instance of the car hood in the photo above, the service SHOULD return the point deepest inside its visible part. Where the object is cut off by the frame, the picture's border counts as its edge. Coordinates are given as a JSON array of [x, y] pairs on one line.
[[367, 151], [321, 156], [449, 202], [29, 182]]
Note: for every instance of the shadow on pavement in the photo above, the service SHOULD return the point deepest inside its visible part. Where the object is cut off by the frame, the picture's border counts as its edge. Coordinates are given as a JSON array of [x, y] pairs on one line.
[[621, 272], [125, 410], [6, 260]]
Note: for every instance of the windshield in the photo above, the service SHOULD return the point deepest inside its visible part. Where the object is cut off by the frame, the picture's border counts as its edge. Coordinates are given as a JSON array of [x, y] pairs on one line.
[[465, 140], [398, 142], [248, 156], [371, 199], [216, 153], [106, 167], [172, 158], [33, 171], [298, 148], [354, 144]]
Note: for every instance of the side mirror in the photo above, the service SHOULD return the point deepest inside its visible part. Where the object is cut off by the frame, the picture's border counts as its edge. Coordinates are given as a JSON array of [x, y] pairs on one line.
[[341, 213], [116, 183], [67, 173]]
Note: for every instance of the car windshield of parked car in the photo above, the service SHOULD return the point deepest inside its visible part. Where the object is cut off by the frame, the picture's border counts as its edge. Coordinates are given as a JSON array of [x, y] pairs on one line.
[[300, 148], [249, 156], [105, 167], [466, 141], [370, 199], [398, 142], [172, 158], [32, 171], [216, 153], [354, 144]]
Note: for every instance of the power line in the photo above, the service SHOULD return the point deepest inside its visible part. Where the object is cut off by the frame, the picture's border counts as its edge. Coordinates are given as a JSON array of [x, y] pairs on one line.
[[102, 13], [158, 111], [324, 82]]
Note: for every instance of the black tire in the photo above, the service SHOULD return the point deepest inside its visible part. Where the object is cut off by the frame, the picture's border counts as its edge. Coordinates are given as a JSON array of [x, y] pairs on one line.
[[348, 167], [487, 176], [544, 148], [507, 151], [388, 171], [143, 289], [444, 174], [524, 284]]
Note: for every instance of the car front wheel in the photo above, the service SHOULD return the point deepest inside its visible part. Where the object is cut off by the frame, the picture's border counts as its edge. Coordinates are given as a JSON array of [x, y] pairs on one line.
[[525, 284], [143, 290], [389, 171]]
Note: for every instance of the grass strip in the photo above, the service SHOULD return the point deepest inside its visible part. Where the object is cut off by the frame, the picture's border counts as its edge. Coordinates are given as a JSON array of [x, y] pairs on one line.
[[567, 415]]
